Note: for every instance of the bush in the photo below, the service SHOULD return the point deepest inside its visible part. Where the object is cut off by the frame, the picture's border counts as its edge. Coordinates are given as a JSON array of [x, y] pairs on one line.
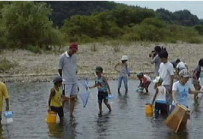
[[34, 49], [6, 65], [131, 37]]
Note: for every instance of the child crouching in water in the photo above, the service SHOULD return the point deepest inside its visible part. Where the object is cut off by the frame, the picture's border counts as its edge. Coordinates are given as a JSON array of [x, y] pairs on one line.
[[55, 98], [144, 81], [160, 98], [103, 89]]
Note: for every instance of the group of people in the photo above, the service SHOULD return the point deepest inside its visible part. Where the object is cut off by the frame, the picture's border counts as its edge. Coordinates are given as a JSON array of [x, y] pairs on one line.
[[167, 92]]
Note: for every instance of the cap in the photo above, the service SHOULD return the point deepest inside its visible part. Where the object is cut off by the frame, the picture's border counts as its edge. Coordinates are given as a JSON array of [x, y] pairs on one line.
[[99, 69], [124, 57], [140, 74], [74, 46], [57, 79], [158, 79], [184, 73]]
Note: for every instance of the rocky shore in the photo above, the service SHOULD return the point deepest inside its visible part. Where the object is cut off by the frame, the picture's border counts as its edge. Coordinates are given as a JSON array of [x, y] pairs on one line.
[[31, 67]]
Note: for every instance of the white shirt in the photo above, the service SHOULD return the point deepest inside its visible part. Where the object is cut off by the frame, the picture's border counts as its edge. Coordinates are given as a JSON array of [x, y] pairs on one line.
[[165, 72], [161, 96], [181, 65]]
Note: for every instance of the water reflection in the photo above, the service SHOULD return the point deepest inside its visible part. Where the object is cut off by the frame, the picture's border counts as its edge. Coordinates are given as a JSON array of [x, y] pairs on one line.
[[123, 100], [179, 135], [1, 132], [103, 125], [127, 119], [55, 130]]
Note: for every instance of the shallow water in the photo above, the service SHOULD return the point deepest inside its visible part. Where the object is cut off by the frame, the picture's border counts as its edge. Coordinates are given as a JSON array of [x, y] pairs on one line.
[[28, 101]]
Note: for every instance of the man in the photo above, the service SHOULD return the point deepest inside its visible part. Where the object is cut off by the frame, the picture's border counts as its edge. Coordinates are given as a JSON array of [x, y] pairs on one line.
[[156, 59], [166, 73], [67, 69]]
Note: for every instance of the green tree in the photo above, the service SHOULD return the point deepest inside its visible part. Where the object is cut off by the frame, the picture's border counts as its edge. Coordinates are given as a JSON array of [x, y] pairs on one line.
[[27, 23]]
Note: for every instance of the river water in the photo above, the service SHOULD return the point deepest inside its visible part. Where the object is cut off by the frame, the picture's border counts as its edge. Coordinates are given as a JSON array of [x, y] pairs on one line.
[[28, 101]]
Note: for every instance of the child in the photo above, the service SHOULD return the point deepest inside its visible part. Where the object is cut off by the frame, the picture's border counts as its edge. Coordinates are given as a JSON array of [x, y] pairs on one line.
[[160, 98], [196, 80], [123, 73], [181, 89], [3, 93], [144, 81], [55, 99], [166, 73], [180, 65], [103, 89]]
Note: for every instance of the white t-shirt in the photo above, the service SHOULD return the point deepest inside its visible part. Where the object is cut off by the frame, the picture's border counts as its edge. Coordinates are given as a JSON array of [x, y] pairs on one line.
[[161, 96], [182, 92], [165, 72], [181, 65]]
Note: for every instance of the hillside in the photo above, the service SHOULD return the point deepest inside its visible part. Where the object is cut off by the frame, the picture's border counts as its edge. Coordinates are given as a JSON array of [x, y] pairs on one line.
[[65, 9]]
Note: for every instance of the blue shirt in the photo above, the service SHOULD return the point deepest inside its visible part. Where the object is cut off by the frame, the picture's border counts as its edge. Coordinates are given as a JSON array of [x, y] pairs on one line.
[[101, 85], [182, 92]]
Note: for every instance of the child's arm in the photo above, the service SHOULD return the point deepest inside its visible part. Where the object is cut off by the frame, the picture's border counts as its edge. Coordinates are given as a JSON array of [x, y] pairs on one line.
[[64, 97], [90, 87], [105, 80], [140, 83], [195, 91], [50, 97], [174, 96], [7, 104], [155, 96], [171, 86]]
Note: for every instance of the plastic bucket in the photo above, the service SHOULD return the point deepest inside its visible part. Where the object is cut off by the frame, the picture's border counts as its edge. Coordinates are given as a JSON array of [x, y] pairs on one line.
[[149, 110], [51, 117]]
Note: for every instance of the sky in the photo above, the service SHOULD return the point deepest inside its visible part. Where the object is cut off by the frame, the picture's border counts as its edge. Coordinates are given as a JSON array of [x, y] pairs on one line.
[[195, 7]]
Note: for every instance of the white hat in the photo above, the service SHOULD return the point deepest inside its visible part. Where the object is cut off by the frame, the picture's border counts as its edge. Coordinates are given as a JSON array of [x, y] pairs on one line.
[[124, 57], [158, 79], [184, 73]]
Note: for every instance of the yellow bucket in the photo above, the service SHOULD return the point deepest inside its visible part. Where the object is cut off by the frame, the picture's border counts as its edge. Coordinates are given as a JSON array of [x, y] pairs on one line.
[[51, 117], [149, 110]]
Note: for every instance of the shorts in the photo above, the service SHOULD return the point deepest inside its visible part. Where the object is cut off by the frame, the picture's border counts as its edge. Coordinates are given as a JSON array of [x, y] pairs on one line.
[[58, 110], [161, 107], [102, 96], [169, 98], [70, 89]]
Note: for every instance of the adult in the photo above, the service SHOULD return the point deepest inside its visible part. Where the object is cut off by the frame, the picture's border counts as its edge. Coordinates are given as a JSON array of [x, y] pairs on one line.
[[67, 70], [123, 73], [166, 73], [155, 59]]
